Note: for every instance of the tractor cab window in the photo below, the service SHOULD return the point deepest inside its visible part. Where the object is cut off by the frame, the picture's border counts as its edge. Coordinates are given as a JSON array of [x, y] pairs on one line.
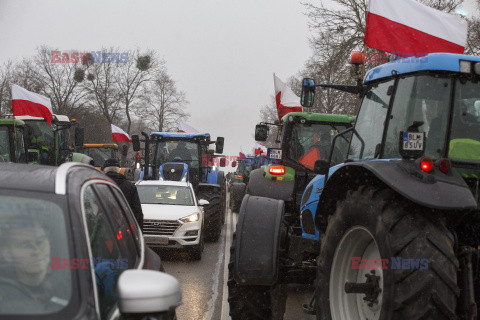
[[4, 145], [177, 151], [63, 139], [99, 155], [43, 139], [421, 98], [370, 122], [465, 132], [310, 142]]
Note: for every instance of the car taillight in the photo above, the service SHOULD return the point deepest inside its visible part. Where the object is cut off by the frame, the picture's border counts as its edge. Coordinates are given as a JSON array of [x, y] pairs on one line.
[[426, 164], [445, 165], [239, 176], [276, 170]]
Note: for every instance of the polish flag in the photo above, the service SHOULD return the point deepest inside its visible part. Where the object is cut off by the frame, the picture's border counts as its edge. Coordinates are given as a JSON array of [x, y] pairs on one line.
[[26, 103], [286, 100], [408, 28], [185, 128], [120, 135]]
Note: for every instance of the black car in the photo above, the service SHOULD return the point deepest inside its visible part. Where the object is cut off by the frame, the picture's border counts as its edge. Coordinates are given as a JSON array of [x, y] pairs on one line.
[[70, 248]]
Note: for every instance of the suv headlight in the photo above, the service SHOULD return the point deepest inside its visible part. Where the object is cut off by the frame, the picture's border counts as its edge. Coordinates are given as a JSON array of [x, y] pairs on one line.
[[191, 218]]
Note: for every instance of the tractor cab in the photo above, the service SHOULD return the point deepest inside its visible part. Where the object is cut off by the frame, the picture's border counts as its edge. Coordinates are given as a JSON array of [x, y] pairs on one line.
[[100, 152], [12, 144]]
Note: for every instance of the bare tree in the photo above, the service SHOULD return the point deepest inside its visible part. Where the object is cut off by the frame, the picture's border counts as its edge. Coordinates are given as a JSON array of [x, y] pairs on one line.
[[133, 77], [165, 104]]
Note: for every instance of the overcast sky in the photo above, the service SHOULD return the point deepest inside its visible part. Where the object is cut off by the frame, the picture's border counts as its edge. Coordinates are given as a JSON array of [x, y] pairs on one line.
[[222, 53]]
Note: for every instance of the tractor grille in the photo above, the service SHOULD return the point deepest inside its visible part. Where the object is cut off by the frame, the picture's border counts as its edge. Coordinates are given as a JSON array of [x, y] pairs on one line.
[[160, 227], [173, 171]]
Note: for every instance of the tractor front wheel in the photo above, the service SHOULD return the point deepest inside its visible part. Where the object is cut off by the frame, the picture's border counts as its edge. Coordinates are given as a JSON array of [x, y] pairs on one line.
[[212, 213], [383, 257]]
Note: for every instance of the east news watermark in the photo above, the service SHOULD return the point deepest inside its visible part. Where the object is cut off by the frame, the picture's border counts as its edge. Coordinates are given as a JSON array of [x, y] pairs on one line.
[[89, 57], [394, 263]]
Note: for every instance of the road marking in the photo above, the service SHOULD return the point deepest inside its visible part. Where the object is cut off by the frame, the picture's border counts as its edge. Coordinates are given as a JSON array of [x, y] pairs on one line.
[[216, 277]]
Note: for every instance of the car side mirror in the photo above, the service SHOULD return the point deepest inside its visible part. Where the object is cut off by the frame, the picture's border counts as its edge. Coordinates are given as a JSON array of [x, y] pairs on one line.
[[135, 142], [148, 292], [219, 145], [261, 132], [321, 167], [79, 137], [308, 92], [203, 202]]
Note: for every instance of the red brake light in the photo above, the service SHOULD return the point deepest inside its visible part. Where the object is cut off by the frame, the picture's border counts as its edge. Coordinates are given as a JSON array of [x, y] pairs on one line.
[[357, 58], [426, 164], [276, 170], [239, 176], [445, 165]]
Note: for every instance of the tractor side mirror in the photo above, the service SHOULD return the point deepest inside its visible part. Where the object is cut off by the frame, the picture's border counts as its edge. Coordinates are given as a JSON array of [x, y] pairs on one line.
[[219, 145], [308, 92], [135, 142], [321, 167], [261, 132], [234, 164], [223, 162], [79, 137]]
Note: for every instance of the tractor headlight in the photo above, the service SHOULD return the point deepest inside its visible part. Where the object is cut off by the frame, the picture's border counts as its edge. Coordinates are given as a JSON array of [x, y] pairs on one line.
[[191, 218]]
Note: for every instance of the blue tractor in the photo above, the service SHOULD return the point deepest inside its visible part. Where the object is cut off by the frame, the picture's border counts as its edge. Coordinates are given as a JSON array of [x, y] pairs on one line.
[[396, 224], [186, 157]]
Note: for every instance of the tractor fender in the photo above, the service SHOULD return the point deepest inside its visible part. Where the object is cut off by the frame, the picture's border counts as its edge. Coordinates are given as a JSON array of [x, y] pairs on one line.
[[434, 190], [257, 241], [238, 191], [259, 186]]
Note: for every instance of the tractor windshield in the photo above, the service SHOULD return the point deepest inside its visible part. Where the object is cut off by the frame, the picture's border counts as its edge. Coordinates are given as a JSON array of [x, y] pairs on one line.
[[310, 142], [43, 139], [177, 151], [4, 145], [100, 154]]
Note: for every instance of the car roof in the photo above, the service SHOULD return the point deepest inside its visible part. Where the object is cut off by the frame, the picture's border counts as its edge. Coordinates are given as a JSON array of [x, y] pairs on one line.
[[50, 179], [163, 183]]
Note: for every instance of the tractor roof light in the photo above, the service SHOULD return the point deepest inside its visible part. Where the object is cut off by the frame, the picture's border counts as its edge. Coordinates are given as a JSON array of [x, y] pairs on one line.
[[276, 170], [357, 58], [465, 66], [426, 164], [444, 165]]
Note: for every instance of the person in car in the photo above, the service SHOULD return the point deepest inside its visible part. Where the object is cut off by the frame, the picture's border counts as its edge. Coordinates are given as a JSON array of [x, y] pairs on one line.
[[24, 259], [111, 167]]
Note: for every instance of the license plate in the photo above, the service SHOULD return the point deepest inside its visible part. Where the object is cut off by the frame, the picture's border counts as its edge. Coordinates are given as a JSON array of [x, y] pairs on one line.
[[157, 240], [413, 141], [276, 154]]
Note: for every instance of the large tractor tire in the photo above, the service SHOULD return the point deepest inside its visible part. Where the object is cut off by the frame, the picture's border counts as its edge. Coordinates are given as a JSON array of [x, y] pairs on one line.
[[374, 223], [238, 192], [213, 213], [254, 302]]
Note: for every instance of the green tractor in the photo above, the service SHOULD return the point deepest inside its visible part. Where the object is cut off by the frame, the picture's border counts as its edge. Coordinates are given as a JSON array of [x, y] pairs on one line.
[[50, 145], [12, 143], [268, 250]]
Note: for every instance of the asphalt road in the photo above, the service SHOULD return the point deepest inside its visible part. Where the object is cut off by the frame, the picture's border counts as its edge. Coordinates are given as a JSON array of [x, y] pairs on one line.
[[204, 286]]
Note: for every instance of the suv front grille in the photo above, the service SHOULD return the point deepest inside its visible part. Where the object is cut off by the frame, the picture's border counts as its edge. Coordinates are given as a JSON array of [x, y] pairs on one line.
[[160, 227]]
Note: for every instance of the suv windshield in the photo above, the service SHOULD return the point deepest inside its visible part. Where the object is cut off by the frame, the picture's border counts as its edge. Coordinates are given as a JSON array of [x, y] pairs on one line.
[[177, 151], [33, 247], [310, 142], [171, 195]]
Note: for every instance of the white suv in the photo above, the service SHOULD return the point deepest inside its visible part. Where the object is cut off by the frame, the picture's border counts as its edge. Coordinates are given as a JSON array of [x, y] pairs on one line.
[[173, 218]]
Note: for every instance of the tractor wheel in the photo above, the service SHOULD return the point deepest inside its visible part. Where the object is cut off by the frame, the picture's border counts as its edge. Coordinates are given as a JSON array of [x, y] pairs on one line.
[[419, 281], [254, 302], [213, 214]]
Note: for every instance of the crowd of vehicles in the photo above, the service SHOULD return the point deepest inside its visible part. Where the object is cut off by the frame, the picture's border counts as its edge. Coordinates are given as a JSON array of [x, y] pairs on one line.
[[184, 157], [390, 228]]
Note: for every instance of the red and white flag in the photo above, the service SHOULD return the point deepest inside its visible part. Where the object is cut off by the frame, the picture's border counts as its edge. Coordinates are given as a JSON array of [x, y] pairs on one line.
[[409, 28], [120, 135], [286, 100], [185, 128], [27, 103]]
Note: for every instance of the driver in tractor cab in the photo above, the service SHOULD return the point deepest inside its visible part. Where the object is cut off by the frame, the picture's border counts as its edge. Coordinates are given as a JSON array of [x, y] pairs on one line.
[[180, 152], [43, 149]]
